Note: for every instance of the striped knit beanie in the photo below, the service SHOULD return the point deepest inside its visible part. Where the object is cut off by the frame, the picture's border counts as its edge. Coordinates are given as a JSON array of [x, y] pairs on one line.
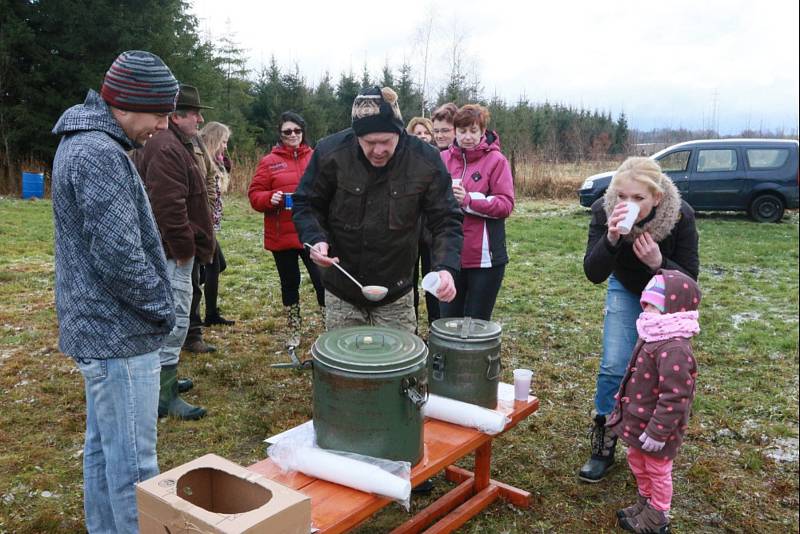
[[654, 293], [139, 81], [377, 110]]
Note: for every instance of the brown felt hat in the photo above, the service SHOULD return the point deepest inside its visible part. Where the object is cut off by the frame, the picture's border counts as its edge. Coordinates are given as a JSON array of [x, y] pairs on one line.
[[189, 98]]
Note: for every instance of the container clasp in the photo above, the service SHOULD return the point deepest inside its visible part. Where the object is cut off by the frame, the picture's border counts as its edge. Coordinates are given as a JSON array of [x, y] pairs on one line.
[[416, 390], [437, 366], [493, 361]]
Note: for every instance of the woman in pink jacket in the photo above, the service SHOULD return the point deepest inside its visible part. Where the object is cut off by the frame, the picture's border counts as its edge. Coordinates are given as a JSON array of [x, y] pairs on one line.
[[484, 188]]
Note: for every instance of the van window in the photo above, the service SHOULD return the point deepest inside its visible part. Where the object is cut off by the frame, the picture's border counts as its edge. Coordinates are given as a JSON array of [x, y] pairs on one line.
[[716, 160], [766, 158], [675, 161]]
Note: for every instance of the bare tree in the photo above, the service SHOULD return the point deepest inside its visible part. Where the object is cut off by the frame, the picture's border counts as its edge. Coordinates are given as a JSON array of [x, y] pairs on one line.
[[423, 40]]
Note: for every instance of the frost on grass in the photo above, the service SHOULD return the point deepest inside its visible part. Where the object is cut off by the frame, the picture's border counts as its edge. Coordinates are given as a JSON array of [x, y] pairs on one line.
[[739, 318], [783, 450]]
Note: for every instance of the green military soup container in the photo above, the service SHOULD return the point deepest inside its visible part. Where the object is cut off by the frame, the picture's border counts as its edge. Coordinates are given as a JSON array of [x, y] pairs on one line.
[[370, 386], [464, 360]]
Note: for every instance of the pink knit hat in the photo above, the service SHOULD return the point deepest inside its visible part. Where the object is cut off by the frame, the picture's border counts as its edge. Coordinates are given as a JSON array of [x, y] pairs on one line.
[[654, 293]]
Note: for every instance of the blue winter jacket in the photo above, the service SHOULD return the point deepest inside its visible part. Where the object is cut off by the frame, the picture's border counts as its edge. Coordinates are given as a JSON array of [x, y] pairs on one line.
[[113, 297]]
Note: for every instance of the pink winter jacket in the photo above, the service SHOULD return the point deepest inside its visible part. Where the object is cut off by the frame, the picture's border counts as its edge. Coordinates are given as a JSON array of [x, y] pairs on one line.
[[656, 393], [486, 176]]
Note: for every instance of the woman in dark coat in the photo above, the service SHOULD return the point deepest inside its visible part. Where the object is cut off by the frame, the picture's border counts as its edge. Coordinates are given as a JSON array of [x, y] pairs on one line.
[[664, 236]]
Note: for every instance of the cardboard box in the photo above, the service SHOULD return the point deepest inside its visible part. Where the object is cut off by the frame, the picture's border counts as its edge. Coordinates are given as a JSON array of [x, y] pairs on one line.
[[211, 494]]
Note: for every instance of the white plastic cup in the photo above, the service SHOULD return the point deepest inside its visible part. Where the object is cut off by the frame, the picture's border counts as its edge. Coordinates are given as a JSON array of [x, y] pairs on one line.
[[522, 384], [626, 224], [430, 283]]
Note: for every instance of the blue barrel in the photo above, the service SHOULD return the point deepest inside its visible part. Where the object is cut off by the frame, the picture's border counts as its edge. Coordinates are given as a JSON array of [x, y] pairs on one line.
[[32, 185]]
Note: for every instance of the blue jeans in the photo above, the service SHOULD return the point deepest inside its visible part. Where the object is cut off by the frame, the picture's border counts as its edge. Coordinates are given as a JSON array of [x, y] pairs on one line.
[[181, 279], [120, 447], [619, 339]]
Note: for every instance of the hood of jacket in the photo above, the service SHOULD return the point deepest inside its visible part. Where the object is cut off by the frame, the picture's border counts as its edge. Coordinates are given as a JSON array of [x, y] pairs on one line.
[[490, 142], [93, 115], [287, 152], [681, 292], [667, 213]]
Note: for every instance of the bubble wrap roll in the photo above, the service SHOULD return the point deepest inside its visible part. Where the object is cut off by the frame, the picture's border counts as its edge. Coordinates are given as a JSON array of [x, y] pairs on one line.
[[362, 476], [465, 414]]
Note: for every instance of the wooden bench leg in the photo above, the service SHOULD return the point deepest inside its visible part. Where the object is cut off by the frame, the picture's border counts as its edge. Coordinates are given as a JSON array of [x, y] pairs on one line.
[[517, 497], [483, 464], [437, 509], [466, 511]]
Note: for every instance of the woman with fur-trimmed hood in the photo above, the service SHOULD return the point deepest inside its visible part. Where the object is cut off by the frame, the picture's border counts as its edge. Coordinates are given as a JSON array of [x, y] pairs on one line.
[[664, 236]]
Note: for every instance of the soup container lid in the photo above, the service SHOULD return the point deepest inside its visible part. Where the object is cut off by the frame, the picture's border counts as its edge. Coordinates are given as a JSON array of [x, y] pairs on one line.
[[369, 350], [466, 329]]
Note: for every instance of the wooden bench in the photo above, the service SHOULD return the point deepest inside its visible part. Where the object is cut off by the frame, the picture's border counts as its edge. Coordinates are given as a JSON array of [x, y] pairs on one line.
[[336, 508]]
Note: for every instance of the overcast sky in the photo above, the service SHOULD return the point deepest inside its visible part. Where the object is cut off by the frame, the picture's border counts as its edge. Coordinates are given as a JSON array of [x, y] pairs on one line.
[[693, 64]]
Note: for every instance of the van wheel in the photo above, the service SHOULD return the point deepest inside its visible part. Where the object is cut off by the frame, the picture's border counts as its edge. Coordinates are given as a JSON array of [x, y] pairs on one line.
[[767, 209]]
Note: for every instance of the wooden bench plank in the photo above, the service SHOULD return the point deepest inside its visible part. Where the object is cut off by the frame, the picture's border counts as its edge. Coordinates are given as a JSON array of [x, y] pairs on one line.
[[291, 479], [466, 511], [441, 506], [518, 497]]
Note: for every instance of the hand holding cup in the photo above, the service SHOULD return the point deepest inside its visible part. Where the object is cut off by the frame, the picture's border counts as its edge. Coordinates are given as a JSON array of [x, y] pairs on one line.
[[458, 191]]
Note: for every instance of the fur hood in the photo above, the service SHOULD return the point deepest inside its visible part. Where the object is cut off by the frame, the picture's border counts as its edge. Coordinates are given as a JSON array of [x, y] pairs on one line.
[[668, 213]]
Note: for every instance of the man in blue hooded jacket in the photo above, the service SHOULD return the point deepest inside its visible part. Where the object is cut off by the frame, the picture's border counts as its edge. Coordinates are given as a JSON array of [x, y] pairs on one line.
[[113, 296]]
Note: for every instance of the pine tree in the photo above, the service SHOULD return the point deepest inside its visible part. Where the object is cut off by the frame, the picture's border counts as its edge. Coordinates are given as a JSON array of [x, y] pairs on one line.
[[620, 143]]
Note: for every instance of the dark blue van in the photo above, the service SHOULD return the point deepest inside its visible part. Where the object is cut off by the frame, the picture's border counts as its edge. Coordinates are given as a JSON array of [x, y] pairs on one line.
[[759, 176]]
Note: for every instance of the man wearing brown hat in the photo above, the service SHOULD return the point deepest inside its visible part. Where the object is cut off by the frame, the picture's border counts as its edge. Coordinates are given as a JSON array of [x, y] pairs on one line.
[[176, 186], [359, 204], [113, 296]]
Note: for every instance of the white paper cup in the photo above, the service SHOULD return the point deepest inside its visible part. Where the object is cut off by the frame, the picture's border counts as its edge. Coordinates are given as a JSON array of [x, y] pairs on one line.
[[522, 384], [456, 181], [430, 283], [626, 224]]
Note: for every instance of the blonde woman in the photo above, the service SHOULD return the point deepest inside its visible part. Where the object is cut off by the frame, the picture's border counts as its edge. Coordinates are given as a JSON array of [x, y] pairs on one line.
[[422, 128], [663, 236], [215, 136]]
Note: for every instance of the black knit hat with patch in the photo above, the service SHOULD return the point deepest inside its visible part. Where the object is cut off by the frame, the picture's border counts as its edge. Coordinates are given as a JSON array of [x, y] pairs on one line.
[[376, 110]]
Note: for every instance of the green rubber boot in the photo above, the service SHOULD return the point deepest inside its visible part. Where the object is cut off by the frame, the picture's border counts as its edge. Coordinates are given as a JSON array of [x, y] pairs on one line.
[[169, 403]]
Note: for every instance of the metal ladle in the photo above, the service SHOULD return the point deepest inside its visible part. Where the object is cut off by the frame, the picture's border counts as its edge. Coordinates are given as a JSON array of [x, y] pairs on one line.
[[371, 293]]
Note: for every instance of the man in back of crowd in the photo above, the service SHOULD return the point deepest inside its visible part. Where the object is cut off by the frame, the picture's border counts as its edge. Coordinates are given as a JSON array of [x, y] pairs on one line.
[[113, 296], [359, 204], [176, 186]]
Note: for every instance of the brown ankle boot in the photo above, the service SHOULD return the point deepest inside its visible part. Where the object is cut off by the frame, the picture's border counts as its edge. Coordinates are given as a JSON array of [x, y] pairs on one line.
[[634, 509], [648, 521]]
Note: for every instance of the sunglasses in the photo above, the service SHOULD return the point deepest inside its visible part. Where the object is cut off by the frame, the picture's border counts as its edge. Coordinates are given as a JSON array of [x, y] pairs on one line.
[[289, 131]]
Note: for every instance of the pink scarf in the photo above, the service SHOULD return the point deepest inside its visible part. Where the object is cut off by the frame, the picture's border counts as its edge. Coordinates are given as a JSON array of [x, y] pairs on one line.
[[658, 327]]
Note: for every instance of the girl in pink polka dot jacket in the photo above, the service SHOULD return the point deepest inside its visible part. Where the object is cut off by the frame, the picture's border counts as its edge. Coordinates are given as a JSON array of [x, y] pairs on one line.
[[655, 396]]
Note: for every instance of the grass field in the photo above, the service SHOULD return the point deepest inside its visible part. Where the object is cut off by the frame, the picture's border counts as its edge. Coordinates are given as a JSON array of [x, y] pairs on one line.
[[730, 476]]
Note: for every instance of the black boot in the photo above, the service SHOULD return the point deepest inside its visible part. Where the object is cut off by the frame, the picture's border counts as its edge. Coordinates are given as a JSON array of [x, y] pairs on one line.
[[214, 317], [169, 403], [604, 442], [185, 384]]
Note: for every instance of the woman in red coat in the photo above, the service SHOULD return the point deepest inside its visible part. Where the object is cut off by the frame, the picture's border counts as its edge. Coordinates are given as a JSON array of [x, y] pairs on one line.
[[270, 192]]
